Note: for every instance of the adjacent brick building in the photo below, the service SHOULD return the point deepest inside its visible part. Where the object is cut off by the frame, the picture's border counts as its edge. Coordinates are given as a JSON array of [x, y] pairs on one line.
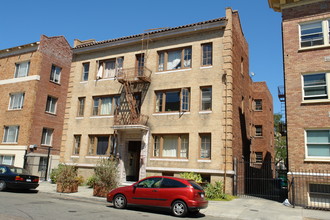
[[306, 52], [165, 102], [33, 88]]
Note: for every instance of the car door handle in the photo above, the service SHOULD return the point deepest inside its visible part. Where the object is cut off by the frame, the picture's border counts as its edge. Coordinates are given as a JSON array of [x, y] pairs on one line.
[[154, 190]]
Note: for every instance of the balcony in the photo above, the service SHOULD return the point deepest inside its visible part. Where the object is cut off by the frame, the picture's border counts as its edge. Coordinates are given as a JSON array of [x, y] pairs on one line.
[[139, 74], [126, 121], [281, 93]]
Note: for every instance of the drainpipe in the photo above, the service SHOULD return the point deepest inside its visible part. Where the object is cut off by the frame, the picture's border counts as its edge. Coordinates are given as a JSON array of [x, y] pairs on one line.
[[224, 80]]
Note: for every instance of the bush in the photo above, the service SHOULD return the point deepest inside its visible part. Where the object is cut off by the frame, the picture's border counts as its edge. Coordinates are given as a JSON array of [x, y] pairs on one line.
[[106, 173], [53, 175], [91, 181], [215, 191], [192, 176], [80, 180]]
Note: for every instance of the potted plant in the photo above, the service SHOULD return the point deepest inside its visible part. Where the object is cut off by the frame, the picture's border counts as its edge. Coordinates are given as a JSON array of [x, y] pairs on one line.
[[106, 176], [67, 179]]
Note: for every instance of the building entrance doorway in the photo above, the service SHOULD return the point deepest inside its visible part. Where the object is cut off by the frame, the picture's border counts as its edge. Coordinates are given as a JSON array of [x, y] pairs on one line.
[[133, 166]]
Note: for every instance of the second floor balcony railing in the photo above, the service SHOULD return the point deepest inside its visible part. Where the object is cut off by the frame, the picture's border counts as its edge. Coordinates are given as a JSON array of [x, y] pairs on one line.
[[134, 74]]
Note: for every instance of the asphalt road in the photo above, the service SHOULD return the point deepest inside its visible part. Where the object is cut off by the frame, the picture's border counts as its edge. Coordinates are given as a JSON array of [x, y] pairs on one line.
[[32, 205]]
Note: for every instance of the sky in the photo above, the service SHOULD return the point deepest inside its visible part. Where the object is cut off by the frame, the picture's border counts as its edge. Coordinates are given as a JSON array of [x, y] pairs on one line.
[[23, 21]]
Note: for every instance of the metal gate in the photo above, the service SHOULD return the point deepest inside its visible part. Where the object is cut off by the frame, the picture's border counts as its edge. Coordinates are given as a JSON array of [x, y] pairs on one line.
[[261, 180]]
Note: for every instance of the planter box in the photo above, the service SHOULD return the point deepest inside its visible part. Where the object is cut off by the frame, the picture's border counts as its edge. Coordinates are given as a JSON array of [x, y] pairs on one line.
[[100, 191], [70, 188]]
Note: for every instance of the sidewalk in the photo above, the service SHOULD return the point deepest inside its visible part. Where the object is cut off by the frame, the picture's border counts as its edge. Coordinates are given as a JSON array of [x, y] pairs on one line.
[[241, 208]]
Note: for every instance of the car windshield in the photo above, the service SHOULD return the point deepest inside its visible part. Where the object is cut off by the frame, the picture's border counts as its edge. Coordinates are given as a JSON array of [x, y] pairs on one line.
[[195, 185], [18, 170]]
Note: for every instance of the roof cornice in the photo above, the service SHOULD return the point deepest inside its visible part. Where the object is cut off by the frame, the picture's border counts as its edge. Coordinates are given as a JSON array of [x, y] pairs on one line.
[[27, 48]]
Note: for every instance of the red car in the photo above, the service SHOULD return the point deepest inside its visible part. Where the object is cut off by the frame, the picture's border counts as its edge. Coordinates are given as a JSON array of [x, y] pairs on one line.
[[181, 195]]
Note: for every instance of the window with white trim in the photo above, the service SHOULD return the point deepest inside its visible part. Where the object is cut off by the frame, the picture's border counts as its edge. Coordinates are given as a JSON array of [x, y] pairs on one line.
[[207, 54], [16, 101], [205, 146], [174, 59], [47, 136], [7, 159], [206, 95], [171, 146], [314, 33], [100, 145], [315, 86], [318, 143], [22, 69], [85, 72], [51, 105], [173, 100], [11, 134], [55, 74], [259, 157], [258, 130]]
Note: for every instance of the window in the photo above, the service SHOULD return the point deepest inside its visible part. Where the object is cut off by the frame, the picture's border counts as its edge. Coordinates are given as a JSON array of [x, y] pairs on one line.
[[174, 59], [55, 74], [259, 157], [315, 86], [314, 34], [140, 64], [206, 98], [319, 194], [109, 68], [16, 101], [51, 105], [318, 143], [153, 182], [105, 105], [171, 145], [6, 160], [81, 106], [258, 105], [205, 148], [22, 69], [76, 147], [85, 72], [42, 164], [207, 54], [173, 100], [47, 135], [11, 134], [99, 145], [170, 183], [258, 129]]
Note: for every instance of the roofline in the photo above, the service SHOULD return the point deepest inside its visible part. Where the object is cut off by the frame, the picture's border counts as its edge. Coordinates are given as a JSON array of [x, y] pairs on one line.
[[210, 24], [19, 49]]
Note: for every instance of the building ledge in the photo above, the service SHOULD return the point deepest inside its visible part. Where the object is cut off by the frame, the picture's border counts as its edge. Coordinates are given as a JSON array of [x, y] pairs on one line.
[[130, 127]]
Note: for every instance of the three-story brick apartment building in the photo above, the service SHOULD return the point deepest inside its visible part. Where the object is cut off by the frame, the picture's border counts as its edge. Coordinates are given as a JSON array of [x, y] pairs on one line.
[[164, 102], [306, 51], [33, 88]]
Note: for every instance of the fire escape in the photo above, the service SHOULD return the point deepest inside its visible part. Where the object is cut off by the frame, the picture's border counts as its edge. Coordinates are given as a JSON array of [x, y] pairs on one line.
[[134, 86]]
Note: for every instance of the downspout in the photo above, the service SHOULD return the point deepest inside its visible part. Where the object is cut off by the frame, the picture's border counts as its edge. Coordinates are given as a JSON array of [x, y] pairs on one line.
[[224, 80]]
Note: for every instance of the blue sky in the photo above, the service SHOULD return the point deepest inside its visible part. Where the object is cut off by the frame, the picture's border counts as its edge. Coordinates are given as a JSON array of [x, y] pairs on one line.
[[23, 22]]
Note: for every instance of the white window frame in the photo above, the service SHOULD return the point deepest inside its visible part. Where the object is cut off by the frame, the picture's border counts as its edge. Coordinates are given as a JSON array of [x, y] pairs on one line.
[[55, 74], [327, 78], [5, 134], [184, 98], [17, 69], [306, 147], [11, 159], [85, 71], [102, 64], [13, 98], [325, 31], [47, 136], [202, 90], [51, 106]]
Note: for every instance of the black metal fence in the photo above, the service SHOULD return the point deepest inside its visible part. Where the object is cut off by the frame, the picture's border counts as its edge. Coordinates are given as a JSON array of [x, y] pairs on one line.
[[310, 189], [263, 180]]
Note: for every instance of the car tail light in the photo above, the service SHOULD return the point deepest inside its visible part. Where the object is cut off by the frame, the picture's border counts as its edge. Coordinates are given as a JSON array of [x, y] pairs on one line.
[[18, 178], [36, 180]]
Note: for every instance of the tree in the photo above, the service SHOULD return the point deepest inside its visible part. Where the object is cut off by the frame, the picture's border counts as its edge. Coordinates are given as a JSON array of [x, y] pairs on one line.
[[280, 140]]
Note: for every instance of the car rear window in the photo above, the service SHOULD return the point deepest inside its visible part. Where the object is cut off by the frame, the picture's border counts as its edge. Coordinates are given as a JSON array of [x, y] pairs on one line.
[[195, 185], [18, 170]]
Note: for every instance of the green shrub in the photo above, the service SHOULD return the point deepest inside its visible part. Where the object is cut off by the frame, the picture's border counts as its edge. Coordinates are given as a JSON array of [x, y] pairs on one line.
[[80, 180], [215, 191], [91, 181], [66, 175], [192, 176]]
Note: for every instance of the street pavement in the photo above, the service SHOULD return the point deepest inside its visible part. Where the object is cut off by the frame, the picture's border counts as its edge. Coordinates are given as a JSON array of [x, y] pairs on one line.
[[240, 208]]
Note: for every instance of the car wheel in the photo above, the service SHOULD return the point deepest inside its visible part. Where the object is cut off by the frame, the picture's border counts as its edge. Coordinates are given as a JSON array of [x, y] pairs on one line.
[[119, 202], [2, 185], [179, 208]]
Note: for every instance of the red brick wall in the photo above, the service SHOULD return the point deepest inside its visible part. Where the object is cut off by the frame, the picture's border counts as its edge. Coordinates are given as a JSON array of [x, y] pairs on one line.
[[299, 115]]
